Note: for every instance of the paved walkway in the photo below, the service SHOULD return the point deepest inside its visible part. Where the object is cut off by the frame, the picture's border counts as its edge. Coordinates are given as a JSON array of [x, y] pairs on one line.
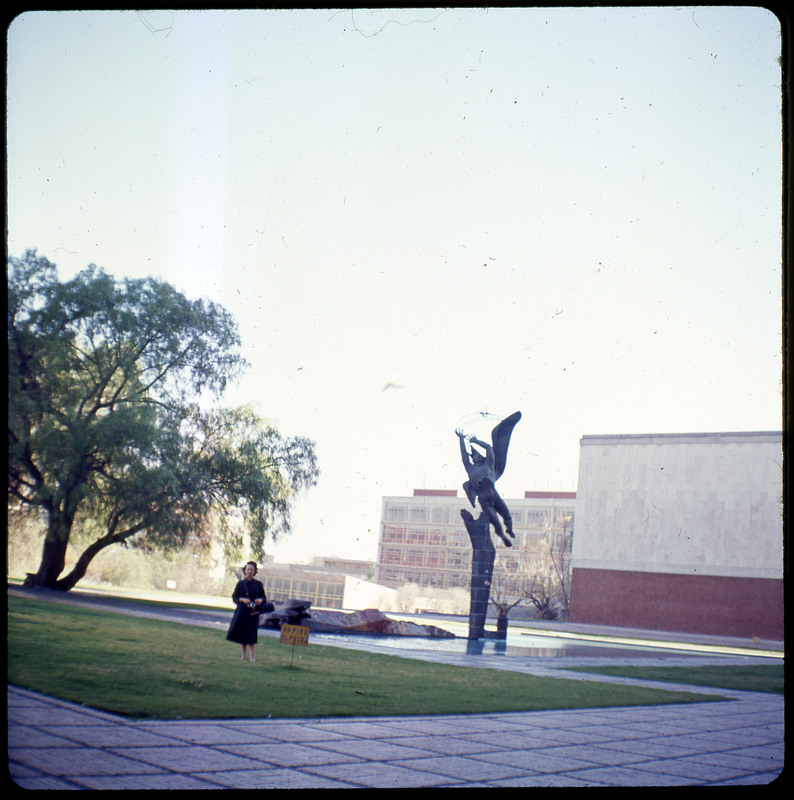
[[57, 745]]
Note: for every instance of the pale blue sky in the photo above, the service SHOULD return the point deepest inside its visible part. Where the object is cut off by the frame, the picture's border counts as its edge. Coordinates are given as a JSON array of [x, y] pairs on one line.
[[574, 213]]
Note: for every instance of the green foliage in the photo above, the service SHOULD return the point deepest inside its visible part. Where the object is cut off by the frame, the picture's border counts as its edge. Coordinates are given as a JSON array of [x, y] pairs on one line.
[[111, 422], [149, 668]]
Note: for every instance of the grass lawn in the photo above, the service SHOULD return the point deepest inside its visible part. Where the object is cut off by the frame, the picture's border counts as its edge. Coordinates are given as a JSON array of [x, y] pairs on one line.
[[153, 669], [750, 678]]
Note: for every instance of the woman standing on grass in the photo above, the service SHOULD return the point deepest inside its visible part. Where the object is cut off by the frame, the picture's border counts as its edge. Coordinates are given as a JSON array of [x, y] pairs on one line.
[[248, 594]]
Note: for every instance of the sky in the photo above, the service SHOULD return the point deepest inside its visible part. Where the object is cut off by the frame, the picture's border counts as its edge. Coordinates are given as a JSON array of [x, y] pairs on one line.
[[427, 219]]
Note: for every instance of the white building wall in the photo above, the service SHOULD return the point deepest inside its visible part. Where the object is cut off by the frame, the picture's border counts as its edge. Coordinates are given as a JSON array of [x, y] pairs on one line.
[[360, 594], [698, 504]]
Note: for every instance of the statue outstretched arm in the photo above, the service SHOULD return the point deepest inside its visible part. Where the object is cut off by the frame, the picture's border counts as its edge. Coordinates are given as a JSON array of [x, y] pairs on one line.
[[463, 452], [489, 455]]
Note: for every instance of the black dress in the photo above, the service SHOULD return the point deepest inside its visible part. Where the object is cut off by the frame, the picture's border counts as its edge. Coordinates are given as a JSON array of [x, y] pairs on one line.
[[244, 625]]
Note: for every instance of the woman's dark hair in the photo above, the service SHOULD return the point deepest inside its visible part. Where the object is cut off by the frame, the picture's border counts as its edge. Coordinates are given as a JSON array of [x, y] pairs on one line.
[[254, 565]]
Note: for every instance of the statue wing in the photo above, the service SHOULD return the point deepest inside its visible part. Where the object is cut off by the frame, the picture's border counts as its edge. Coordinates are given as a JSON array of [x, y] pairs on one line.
[[500, 436]]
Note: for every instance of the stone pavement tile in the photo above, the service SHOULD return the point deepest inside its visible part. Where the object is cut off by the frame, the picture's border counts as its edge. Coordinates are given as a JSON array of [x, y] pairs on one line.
[[741, 716], [772, 754], [757, 779], [467, 785], [596, 734], [446, 745], [44, 782], [499, 724], [763, 734], [541, 780], [184, 758], [374, 775], [466, 769], [535, 761], [748, 712], [277, 731], [287, 754], [374, 749], [711, 742], [652, 728], [108, 735], [563, 735], [594, 754], [775, 729], [733, 758], [42, 716], [30, 703], [538, 719], [66, 761], [696, 773], [735, 714], [25, 736], [447, 726], [166, 781], [663, 748], [514, 741], [624, 776], [277, 778], [364, 729], [744, 737], [18, 770], [586, 718], [692, 743], [30, 778], [200, 733], [23, 698]]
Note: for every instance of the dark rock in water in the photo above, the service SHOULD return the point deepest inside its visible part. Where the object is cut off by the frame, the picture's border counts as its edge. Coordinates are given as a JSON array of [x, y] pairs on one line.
[[369, 621], [326, 620], [400, 628], [289, 612]]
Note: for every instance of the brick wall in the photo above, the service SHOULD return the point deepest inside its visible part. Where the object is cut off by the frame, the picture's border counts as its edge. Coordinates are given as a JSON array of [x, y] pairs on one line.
[[707, 604]]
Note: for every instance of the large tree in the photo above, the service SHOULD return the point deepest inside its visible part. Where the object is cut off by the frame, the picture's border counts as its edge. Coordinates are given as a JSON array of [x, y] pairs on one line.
[[113, 420]]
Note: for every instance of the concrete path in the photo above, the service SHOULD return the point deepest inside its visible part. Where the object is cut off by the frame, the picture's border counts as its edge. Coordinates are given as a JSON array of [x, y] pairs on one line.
[[57, 745]]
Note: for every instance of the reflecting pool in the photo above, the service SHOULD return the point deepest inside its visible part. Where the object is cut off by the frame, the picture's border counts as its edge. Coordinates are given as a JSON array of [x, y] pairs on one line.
[[517, 644]]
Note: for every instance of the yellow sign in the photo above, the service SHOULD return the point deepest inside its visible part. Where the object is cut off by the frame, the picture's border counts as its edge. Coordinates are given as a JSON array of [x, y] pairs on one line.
[[294, 634]]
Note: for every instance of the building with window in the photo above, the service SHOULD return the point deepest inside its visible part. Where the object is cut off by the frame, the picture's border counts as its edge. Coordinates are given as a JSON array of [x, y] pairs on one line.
[[349, 566], [322, 585], [423, 539]]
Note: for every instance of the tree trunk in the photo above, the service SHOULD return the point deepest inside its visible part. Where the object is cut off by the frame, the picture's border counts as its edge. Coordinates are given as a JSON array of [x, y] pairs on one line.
[[113, 536], [80, 568], [53, 556]]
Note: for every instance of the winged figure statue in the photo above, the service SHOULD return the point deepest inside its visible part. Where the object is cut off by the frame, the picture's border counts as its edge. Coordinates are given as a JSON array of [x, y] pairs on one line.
[[485, 470]]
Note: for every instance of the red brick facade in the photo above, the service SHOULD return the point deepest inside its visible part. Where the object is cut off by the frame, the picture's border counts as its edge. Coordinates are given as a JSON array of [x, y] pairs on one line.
[[706, 604]]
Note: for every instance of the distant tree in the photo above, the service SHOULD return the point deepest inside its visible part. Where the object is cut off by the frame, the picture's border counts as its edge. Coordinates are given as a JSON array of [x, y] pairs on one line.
[[111, 393], [542, 577], [501, 596], [407, 595], [559, 550], [541, 591]]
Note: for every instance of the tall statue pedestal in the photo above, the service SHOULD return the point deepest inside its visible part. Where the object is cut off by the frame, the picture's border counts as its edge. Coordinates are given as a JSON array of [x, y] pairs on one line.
[[483, 553]]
